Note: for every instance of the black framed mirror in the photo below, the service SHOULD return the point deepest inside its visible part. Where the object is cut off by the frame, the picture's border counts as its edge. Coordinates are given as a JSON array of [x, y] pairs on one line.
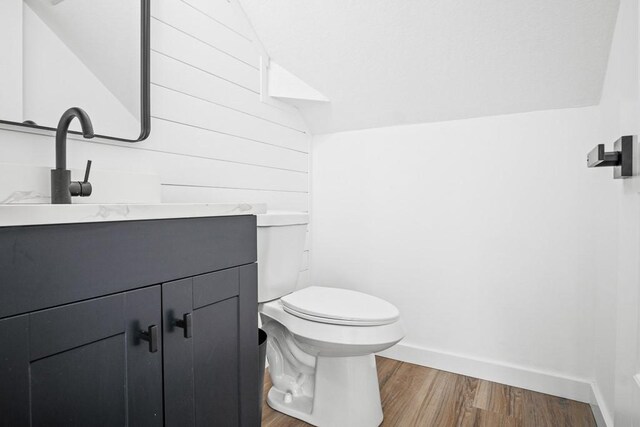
[[92, 54]]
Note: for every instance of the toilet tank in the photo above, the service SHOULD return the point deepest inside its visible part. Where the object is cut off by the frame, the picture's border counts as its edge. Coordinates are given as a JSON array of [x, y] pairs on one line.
[[281, 237]]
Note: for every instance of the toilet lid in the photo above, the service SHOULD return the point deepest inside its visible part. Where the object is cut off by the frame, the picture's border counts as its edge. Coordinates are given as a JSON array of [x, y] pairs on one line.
[[339, 307]]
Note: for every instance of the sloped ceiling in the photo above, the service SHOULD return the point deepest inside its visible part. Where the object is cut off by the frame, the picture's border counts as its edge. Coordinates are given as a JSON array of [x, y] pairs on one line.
[[390, 62]]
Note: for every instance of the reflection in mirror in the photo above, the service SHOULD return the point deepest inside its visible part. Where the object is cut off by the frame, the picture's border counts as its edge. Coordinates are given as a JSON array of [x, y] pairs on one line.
[[59, 54]]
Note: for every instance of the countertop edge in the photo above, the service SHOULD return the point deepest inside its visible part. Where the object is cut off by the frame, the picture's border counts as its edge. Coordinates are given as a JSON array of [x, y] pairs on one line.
[[36, 214]]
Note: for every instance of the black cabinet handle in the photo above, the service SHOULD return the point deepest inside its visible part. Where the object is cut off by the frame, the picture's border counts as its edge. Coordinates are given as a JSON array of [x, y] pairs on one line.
[[151, 336], [186, 324]]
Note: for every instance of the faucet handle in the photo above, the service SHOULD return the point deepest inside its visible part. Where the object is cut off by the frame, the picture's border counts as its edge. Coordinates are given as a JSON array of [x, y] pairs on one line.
[[87, 171], [84, 188]]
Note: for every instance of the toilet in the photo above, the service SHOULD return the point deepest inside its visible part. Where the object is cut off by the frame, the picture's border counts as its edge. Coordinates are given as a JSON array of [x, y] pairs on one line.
[[322, 340]]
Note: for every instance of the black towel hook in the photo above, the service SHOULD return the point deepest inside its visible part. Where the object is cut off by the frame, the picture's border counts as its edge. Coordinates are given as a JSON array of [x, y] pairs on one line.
[[621, 158]]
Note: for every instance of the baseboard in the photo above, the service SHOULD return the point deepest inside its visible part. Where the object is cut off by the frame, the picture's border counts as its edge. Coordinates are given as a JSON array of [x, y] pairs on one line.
[[544, 382], [599, 408]]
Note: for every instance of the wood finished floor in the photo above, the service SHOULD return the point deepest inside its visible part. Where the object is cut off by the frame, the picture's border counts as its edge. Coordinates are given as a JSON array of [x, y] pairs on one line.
[[413, 395]]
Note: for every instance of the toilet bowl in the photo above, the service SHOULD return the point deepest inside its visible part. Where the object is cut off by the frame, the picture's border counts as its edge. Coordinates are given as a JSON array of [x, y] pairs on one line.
[[322, 340]]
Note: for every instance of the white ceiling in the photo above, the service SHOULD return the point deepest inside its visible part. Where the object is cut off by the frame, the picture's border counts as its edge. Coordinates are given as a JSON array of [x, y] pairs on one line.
[[386, 62]]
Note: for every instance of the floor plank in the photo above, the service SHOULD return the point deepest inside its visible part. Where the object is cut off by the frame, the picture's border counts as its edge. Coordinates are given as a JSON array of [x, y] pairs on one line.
[[469, 390], [415, 395], [499, 398], [580, 414], [444, 403], [386, 368], [483, 418]]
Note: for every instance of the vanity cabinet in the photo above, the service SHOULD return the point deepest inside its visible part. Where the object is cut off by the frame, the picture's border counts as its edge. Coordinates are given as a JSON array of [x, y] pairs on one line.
[[82, 364], [139, 323], [204, 346]]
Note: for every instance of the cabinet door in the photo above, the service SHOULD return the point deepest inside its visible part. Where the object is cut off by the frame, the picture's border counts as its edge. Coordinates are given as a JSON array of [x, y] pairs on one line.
[[83, 364], [211, 349]]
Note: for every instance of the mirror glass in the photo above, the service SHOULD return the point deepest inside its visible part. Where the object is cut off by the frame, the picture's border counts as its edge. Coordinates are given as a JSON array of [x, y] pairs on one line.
[[92, 54]]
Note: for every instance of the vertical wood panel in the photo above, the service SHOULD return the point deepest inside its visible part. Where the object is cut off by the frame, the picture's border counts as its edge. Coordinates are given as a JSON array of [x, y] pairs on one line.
[[14, 388], [179, 376], [216, 364], [248, 346], [144, 369]]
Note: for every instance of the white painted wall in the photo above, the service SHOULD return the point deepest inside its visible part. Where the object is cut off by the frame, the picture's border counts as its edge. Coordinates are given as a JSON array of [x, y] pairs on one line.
[[480, 231], [212, 139], [508, 258]]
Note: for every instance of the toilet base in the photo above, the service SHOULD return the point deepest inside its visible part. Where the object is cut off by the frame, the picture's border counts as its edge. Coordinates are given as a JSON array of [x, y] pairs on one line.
[[346, 394]]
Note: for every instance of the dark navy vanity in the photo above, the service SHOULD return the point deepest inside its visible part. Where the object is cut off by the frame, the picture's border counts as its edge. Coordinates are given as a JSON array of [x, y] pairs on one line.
[[135, 322]]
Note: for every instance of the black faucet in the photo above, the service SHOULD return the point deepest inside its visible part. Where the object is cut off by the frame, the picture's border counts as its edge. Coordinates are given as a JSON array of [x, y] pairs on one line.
[[62, 189]]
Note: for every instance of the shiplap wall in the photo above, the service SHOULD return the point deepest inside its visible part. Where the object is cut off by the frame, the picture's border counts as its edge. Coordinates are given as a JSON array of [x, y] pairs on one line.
[[212, 138]]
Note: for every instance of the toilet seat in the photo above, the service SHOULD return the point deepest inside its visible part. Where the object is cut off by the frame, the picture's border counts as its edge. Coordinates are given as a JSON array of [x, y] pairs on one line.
[[367, 338], [339, 307]]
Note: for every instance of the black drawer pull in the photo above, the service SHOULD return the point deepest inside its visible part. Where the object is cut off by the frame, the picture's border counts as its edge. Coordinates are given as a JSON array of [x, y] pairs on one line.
[[186, 324], [151, 335]]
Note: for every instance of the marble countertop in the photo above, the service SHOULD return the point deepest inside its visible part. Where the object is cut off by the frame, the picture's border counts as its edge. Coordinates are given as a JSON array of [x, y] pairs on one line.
[[12, 215]]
